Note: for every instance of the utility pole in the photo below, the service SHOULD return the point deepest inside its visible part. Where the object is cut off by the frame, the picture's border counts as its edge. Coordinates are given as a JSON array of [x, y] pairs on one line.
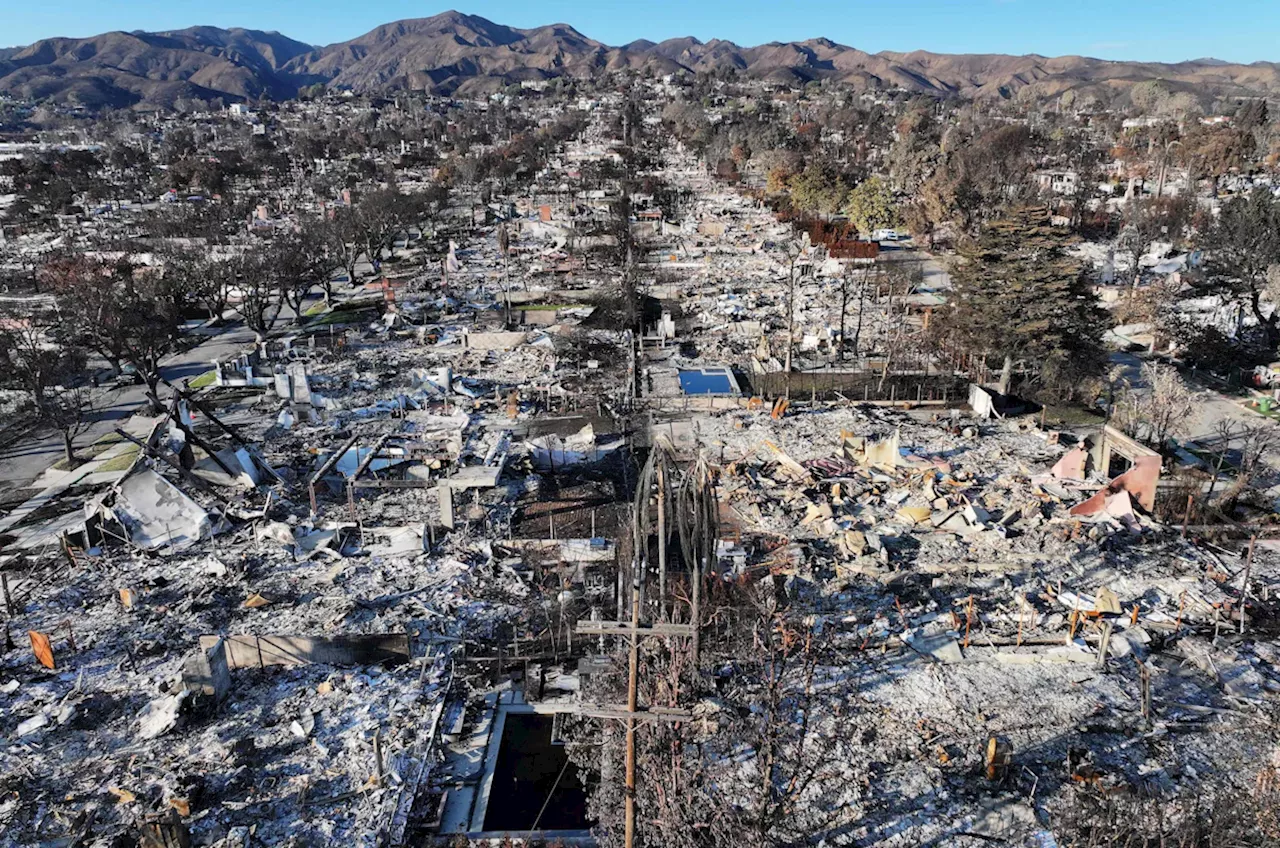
[[791, 322], [633, 713], [633, 671], [844, 307]]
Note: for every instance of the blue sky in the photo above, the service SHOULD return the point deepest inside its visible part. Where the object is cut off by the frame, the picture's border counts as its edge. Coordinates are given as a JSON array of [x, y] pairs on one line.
[[1151, 30]]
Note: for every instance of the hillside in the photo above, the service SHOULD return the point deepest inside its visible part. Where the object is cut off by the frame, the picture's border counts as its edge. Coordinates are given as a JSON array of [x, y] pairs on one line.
[[458, 53], [126, 68]]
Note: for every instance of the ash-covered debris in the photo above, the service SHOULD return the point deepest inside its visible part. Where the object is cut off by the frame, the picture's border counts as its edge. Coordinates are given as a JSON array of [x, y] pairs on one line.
[[406, 573]]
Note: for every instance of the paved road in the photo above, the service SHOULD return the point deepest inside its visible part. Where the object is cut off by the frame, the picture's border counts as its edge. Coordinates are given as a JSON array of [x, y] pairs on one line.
[[1212, 407], [935, 277], [28, 458]]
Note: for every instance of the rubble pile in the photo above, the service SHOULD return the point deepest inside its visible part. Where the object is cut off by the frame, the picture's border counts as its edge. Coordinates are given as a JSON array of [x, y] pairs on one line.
[[306, 607]]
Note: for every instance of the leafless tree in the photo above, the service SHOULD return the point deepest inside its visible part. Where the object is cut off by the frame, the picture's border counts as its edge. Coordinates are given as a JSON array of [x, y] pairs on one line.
[[1225, 431], [1160, 408], [1257, 442], [1242, 819], [259, 295], [297, 261], [119, 309], [51, 374], [89, 301], [343, 235]]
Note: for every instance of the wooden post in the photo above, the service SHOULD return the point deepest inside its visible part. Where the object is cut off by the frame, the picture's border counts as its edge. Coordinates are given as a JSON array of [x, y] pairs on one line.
[[633, 671], [1244, 583], [1144, 678], [968, 620], [1103, 645], [662, 541], [8, 598], [1186, 515]]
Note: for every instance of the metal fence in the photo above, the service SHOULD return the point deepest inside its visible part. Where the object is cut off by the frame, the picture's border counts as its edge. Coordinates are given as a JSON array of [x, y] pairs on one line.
[[861, 385]]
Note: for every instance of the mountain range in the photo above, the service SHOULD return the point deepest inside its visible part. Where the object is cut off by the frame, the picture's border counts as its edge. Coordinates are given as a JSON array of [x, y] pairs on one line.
[[455, 53]]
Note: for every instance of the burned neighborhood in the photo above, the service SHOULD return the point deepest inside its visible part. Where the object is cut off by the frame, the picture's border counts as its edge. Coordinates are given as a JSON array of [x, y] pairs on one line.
[[666, 445]]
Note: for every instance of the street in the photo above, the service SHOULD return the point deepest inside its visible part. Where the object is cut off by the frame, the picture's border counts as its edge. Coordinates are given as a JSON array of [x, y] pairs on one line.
[[1212, 407], [28, 457]]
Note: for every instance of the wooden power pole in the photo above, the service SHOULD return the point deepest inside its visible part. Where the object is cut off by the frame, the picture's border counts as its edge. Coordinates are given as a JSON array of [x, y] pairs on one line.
[[633, 672], [635, 629]]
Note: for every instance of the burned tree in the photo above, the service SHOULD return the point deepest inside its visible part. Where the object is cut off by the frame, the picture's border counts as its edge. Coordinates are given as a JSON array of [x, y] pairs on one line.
[[342, 235], [51, 374], [1160, 406], [1145, 222], [297, 260], [260, 301], [123, 311], [89, 301], [1246, 246]]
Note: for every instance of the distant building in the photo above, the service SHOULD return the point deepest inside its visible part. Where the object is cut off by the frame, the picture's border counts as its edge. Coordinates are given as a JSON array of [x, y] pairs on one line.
[[1057, 182]]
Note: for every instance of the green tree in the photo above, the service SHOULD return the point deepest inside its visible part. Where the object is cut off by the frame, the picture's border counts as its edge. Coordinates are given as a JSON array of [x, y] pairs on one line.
[[1018, 294], [871, 206], [819, 189], [1149, 96]]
